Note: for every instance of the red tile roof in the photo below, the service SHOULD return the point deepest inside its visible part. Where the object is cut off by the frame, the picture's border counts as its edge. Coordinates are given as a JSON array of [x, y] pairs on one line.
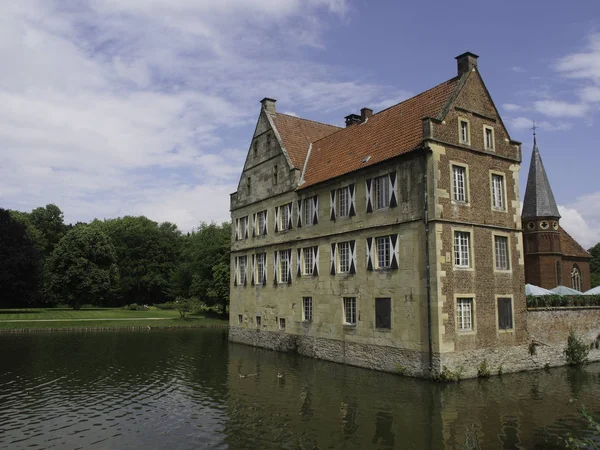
[[570, 247], [389, 133], [297, 134]]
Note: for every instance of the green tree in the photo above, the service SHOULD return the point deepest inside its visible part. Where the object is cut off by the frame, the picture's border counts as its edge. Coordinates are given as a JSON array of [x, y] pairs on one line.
[[595, 264], [19, 263], [218, 292], [82, 269], [147, 254]]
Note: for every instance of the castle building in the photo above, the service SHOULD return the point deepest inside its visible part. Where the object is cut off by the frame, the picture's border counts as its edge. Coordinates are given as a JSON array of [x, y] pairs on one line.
[[552, 257], [394, 243]]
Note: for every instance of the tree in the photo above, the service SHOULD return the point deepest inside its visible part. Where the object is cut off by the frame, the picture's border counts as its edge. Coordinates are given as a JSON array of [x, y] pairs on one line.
[[595, 264], [19, 263], [82, 269]]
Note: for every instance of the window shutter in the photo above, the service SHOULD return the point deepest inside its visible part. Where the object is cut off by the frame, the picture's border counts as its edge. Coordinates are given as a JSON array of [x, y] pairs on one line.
[[265, 222], [352, 257], [299, 203], [316, 210], [369, 253], [235, 270], [352, 190], [290, 263], [332, 205], [246, 225], [252, 270], [276, 219], [369, 184], [290, 210], [393, 190], [299, 262], [275, 266], [253, 224], [332, 259], [394, 241], [264, 274], [316, 261]]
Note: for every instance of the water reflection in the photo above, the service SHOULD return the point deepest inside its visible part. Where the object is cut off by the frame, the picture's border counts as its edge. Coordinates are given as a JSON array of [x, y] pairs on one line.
[[191, 388]]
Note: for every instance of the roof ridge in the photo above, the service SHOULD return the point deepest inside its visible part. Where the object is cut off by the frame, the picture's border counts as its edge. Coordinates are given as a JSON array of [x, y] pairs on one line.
[[308, 120]]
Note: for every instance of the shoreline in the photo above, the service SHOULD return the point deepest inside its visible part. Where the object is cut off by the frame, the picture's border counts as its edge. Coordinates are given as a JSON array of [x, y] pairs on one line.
[[112, 328]]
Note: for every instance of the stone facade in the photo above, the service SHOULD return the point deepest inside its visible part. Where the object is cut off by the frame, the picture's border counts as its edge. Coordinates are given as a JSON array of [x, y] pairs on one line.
[[433, 302]]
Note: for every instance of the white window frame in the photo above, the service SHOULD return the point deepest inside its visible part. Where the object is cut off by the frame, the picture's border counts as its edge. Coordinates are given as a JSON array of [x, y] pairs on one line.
[[383, 245], [307, 309], [260, 275], [465, 313], [284, 213], [466, 140], [243, 269], [501, 255], [461, 240], [261, 217], [308, 262], [344, 257], [308, 211], [488, 131], [498, 186], [343, 206], [284, 262], [382, 188], [460, 187], [349, 304]]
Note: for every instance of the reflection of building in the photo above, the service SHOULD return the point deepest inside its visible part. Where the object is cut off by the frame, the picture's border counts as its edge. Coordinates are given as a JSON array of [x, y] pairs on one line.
[[392, 243], [552, 256]]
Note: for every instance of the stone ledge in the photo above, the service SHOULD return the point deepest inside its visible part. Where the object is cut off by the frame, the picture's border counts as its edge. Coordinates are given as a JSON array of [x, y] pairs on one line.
[[562, 308]]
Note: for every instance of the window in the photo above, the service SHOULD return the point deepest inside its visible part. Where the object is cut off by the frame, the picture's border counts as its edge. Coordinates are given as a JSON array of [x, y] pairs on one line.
[[505, 315], [284, 217], [462, 249], [240, 319], [501, 251], [282, 324], [307, 309], [243, 264], [268, 140], [497, 191], [344, 199], [459, 178], [275, 174], [464, 314], [309, 211], [344, 257], [249, 184], [258, 321], [309, 262], [261, 219], [488, 138], [464, 131], [255, 148], [284, 266], [384, 254], [382, 192], [576, 278], [383, 313], [260, 267], [350, 310]]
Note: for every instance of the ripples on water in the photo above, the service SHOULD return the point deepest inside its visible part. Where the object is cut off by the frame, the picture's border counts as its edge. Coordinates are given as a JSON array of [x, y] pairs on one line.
[[190, 389]]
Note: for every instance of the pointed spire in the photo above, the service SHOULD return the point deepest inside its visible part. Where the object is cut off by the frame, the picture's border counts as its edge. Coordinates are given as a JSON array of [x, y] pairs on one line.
[[539, 200]]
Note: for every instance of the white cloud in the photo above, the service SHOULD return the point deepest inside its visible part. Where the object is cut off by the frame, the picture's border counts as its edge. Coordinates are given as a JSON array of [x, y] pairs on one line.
[[582, 219], [585, 64], [556, 108], [511, 107], [525, 123]]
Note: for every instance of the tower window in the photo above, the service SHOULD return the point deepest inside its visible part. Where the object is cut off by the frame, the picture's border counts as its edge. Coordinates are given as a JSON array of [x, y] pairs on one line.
[[576, 278]]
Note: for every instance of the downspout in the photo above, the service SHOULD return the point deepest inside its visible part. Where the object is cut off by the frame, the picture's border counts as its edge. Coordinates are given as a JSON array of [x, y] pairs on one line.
[[427, 257]]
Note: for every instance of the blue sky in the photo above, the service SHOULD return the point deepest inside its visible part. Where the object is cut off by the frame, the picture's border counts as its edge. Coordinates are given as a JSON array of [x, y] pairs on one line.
[[118, 107]]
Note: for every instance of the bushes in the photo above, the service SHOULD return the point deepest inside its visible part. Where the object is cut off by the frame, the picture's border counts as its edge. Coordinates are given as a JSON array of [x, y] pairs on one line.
[[136, 307], [576, 351], [483, 371], [555, 301], [446, 375]]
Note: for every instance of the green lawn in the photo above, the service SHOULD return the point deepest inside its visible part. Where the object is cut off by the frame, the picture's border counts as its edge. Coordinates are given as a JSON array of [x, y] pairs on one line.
[[98, 317]]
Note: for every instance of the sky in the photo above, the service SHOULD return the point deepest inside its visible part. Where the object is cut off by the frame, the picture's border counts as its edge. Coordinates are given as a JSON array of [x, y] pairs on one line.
[[147, 107]]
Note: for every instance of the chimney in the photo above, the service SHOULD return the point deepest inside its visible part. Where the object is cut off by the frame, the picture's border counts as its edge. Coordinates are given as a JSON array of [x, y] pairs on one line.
[[466, 62], [352, 119], [365, 113], [268, 104]]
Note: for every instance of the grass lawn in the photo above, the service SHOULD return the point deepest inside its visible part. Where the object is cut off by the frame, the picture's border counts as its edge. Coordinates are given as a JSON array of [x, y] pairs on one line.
[[98, 317]]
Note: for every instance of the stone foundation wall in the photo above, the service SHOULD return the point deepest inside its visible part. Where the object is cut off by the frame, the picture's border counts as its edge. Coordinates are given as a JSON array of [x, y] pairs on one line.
[[376, 357]]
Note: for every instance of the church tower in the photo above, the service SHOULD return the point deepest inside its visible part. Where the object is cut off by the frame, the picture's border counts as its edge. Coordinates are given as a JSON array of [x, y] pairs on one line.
[[541, 228]]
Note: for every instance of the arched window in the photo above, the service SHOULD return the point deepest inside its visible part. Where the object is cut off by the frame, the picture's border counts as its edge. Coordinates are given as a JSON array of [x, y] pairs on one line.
[[576, 278], [558, 273]]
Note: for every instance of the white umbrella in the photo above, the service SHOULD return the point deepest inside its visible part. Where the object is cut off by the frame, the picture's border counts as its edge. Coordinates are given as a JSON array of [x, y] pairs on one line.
[[593, 291], [530, 289], [564, 290]]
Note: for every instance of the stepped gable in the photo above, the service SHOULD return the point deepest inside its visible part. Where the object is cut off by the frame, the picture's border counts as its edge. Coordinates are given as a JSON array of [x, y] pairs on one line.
[[297, 134], [571, 247], [387, 134]]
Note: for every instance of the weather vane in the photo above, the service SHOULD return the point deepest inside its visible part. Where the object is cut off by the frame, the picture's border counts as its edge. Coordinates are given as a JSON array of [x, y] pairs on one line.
[[534, 128]]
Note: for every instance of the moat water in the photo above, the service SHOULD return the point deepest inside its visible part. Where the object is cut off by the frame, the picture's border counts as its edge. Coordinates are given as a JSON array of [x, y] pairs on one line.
[[192, 389]]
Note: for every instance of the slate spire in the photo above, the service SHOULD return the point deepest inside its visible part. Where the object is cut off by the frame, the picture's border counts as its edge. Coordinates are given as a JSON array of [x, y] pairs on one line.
[[539, 200]]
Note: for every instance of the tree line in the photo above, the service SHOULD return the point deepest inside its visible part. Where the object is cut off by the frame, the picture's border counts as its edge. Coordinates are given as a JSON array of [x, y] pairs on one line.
[[112, 262]]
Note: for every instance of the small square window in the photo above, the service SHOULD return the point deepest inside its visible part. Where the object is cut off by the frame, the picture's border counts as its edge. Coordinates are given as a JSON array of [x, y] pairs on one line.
[[282, 324], [240, 319], [307, 308], [258, 321], [350, 310], [464, 132], [383, 313], [505, 316], [464, 314]]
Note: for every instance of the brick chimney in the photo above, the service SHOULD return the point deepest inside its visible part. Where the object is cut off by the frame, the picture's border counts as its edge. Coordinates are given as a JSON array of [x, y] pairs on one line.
[[466, 62], [365, 113], [268, 104], [352, 119]]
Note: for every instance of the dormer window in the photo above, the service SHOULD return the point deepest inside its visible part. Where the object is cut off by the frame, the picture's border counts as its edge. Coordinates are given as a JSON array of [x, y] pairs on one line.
[[488, 137], [464, 132], [275, 174]]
